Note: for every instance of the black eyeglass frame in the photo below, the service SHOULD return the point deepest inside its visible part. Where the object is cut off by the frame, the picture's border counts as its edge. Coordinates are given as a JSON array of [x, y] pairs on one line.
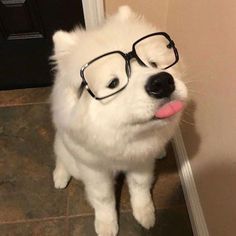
[[127, 57]]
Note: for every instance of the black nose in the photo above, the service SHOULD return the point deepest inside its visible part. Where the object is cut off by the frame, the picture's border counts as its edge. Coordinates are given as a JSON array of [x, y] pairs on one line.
[[160, 85]]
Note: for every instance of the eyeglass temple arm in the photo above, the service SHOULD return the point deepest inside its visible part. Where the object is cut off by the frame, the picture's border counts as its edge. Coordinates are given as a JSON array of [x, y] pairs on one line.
[[81, 88]]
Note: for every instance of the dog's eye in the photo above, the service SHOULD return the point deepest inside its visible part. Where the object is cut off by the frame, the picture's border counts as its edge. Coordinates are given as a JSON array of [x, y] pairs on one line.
[[153, 64], [113, 83]]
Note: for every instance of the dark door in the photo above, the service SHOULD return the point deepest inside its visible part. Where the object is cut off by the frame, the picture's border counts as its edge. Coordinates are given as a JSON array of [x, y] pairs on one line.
[[26, 28]]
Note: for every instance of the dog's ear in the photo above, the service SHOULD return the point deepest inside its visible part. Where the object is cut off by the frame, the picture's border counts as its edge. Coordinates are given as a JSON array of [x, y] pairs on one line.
[[62, 42], [125, 12]]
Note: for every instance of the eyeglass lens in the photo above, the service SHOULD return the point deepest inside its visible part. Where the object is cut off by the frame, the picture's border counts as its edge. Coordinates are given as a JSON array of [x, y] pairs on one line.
[[155, 51], [106, 75]]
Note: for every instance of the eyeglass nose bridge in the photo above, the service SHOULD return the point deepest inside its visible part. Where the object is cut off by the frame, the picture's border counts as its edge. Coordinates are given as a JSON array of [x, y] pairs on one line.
[[129, 56], [132, 54]]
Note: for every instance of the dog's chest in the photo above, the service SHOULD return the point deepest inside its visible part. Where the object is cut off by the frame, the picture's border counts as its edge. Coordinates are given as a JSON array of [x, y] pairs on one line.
[[115, 150]]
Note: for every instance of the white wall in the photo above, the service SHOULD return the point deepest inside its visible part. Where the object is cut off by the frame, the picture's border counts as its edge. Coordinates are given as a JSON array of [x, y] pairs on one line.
[[205, 34]]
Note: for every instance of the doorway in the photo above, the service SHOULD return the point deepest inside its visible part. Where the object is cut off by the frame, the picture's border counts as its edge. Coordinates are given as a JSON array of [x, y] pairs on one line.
[[26, 29]]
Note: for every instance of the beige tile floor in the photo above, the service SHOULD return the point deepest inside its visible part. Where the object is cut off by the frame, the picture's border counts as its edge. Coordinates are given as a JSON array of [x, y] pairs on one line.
[[29, 204]]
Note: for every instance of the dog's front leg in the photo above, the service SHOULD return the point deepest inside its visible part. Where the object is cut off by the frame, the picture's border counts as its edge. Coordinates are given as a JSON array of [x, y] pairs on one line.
[[139, 187], [100, 190]]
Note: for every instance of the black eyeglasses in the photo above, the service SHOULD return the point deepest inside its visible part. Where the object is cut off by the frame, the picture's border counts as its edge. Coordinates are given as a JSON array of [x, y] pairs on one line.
[[109, 73]]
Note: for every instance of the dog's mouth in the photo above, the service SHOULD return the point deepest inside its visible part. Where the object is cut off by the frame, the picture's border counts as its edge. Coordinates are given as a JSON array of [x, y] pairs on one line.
[[164, 112], [169, 109]]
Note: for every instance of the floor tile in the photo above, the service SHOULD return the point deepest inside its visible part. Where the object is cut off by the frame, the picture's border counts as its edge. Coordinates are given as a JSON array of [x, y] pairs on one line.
[[39, 228], [77, 203], [81, 226], [171, 222], [26, 164], [167, 191], [24, 96], [27, 195]]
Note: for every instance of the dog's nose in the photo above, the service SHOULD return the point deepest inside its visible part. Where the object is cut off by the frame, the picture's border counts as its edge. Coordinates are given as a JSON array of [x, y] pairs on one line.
[[160, 85]]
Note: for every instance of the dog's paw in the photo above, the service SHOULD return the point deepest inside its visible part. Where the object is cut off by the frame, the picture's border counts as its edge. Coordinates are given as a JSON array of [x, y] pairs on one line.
[[106, 228], [61, 178], [145, 215]]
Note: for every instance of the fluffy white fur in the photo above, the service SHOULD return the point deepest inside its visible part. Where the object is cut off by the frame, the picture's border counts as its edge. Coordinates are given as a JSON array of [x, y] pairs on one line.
[[95, 139]]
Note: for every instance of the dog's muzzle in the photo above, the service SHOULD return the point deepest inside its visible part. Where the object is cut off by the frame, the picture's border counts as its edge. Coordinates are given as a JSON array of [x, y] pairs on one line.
[[160, 85]]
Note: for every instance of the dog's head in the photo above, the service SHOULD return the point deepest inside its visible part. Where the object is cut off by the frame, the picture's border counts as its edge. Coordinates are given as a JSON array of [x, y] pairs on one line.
[[122, 74]]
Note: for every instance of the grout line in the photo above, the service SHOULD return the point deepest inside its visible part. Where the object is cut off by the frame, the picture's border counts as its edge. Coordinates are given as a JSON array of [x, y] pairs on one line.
[[24, 104], [67, 212], [92, 214], [80, 215], [67, 217], [33, 220], [127, 211]]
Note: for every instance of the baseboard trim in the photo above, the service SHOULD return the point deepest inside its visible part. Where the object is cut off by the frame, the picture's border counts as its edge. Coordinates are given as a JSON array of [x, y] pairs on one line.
[[93, 13], [196, 215]]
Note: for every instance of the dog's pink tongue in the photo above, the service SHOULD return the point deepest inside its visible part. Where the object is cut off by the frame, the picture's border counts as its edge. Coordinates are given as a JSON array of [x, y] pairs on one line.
[[169, 109]]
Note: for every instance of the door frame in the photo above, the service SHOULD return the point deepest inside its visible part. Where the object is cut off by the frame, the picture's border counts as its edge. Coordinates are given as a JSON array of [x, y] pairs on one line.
[[93, 13]]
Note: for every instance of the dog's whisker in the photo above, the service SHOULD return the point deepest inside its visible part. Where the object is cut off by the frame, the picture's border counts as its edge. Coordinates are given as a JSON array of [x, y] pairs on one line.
[[188, 113], [187, 122], [190, 91], [192, 81]]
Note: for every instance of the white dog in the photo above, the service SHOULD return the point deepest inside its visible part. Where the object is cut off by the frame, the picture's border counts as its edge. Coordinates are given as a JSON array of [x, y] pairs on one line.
[[116, 102]]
